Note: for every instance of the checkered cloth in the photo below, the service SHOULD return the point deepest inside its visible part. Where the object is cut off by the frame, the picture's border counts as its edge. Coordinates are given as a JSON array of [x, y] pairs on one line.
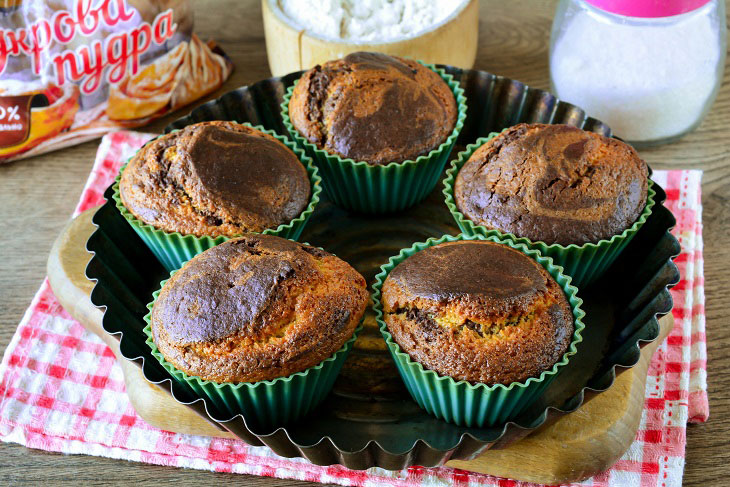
[[61, 389]]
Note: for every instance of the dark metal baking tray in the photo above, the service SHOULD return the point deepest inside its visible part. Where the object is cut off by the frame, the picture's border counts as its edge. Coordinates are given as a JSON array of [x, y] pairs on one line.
[[369, 419]]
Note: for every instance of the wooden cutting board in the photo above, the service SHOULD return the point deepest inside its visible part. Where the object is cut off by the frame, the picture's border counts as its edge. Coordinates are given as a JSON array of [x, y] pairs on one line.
[[573, 448]]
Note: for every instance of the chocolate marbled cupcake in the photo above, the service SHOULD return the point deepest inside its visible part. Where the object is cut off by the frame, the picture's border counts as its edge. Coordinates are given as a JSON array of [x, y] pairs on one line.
[[256, 308], [373, 107], [555, 184], [379, 128], [478, 327], [215, 178], [477, 311]]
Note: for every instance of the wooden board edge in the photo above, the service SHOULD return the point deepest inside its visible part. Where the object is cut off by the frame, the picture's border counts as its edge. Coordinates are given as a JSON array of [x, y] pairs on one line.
[[66, 268], [579, 448]]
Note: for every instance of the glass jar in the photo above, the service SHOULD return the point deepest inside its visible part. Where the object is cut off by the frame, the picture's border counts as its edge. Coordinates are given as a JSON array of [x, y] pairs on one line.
[[650, 71]]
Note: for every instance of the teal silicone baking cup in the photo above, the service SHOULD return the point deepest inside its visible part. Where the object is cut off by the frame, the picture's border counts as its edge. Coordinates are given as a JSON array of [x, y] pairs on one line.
[[173, 248], [458, 401], [369, 188], [265, 404], [584, 263]]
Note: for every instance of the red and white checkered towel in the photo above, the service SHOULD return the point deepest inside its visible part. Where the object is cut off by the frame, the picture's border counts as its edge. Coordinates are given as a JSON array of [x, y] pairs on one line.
[[61, 389]]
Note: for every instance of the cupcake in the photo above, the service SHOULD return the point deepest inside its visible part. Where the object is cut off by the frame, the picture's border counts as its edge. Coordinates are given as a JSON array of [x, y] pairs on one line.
[[574, 195], [373, 107], [259, 324], [477, 311], [215, 180], [478, 328], [379, 127]]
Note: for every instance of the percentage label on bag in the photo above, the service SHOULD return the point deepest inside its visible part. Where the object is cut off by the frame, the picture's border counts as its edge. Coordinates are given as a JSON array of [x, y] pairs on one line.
[[14, 119], [9, 113]]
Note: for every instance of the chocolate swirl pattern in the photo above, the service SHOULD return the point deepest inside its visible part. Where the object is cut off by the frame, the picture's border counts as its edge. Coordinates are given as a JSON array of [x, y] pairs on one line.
[[215, 178], [256, 308], [374, 108], [553, 183], [477, 311]]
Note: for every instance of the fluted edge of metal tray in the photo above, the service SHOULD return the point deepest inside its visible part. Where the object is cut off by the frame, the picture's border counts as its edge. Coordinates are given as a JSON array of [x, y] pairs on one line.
[[494, 102]]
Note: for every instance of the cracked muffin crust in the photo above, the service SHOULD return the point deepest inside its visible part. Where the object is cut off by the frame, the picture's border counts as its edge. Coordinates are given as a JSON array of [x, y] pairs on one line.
[[257, 308], [215, 178], [374, 108], [553, 183], [477, 311]]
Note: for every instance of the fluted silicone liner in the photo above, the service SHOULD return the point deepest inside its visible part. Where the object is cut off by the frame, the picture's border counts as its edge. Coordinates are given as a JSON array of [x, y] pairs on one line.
[[370, 188], [173, 248], [458, 401], [267, 403], [584, 263]]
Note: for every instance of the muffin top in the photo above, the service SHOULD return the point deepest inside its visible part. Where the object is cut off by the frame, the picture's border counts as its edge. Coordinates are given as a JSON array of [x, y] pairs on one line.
[[215, 178], [374, 108], [553, 183], [477, 311], [256, 308]]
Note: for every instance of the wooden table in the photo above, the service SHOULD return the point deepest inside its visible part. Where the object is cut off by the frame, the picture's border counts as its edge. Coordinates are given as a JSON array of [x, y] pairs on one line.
[[38, 195]]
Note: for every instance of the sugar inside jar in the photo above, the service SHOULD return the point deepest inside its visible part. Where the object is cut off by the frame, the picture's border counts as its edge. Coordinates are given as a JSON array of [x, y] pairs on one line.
[[650, 70]]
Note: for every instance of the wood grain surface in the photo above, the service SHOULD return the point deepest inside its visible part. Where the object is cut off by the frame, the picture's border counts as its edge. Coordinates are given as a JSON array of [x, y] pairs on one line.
[[38, 195]]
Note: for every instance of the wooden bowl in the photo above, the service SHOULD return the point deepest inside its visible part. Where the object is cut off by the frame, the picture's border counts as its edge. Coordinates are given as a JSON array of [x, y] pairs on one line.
[[290, 48]]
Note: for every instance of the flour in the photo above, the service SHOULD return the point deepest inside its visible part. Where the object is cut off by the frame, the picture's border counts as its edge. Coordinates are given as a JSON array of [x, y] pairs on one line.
[[648, 80], [373, 21]]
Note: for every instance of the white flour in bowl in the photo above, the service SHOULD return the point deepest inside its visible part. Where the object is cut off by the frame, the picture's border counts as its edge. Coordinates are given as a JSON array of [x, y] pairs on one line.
[[375, 21]]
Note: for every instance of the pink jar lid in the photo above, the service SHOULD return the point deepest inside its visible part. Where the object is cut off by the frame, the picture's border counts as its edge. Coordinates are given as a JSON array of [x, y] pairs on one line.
[[648, 8]]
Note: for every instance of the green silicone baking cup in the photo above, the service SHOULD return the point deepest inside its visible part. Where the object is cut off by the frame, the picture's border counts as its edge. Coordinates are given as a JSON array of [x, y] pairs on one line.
[[172, 249], [460, 402], [265, 404], [369, 188], [584, 263]]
